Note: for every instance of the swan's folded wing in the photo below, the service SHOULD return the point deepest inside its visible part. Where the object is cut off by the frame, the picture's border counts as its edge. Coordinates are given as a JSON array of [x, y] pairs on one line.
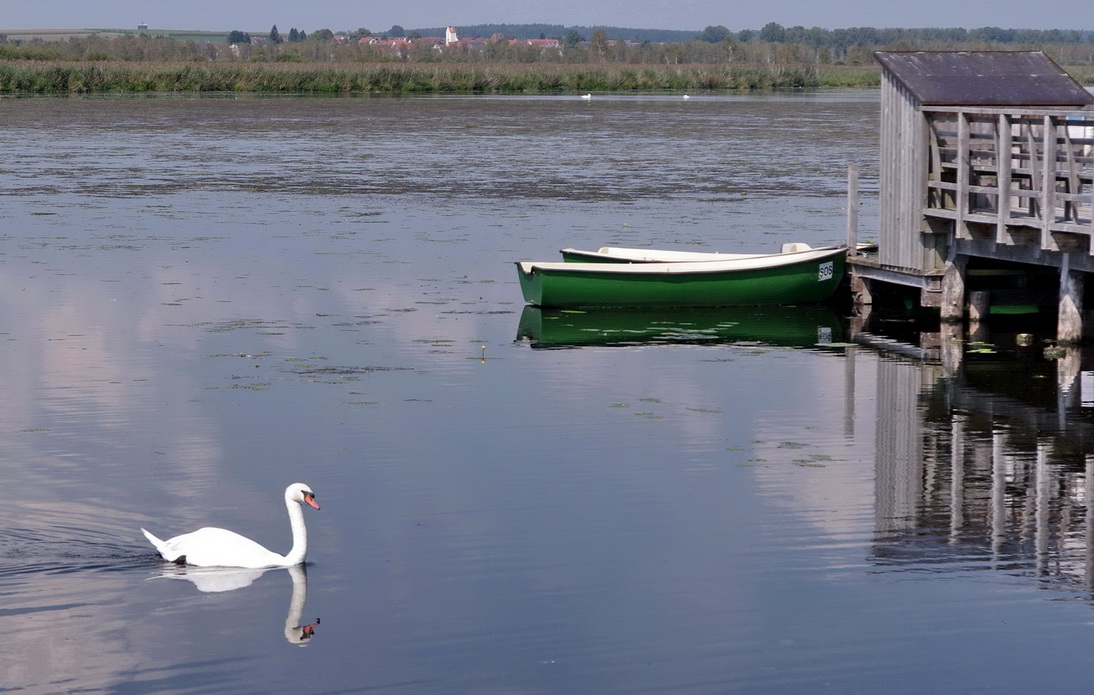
[[218, 547]]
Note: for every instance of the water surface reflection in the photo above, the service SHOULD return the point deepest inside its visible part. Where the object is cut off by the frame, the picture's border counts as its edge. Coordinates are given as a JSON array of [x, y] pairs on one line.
[[221, 579], [799, 326], [202, 300], [995, 473]]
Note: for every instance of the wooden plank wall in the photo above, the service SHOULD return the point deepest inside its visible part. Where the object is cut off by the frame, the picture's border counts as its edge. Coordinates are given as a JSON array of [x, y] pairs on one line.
[[903, 182]]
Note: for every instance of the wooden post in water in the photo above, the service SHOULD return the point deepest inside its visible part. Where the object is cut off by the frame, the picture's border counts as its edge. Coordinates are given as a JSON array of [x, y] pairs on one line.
[[1069, 321], [852, 208], [953, 290], [979, 305], [952, 348], [861, 297]]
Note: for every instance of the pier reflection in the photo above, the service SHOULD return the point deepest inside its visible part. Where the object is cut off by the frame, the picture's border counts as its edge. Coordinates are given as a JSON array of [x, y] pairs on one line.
[[985, 461], [797, 326]]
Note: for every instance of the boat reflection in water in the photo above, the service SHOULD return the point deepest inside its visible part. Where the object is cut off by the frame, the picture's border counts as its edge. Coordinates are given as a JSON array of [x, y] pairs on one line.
[[220, 579], [989, 465], [797, 326]]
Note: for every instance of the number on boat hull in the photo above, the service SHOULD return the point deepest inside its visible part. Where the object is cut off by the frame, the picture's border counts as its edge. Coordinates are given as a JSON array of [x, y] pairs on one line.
[[826, 272]]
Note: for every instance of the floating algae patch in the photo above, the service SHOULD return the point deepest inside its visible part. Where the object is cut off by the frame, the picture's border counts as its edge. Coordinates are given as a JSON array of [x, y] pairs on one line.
[[262, 326], [792, 445], [253, 386], [813, 461], [245, 355], [344, 371], [483, 312]]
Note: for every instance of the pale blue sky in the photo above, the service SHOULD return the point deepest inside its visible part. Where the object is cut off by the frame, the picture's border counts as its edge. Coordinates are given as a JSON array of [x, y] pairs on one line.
[[256, 15]]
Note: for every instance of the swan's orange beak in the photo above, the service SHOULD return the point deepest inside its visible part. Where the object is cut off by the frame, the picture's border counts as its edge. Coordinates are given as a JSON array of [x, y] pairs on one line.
[[310, 499]]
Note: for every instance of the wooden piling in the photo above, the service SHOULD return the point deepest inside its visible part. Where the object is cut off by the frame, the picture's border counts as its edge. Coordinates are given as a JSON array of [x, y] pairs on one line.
[[953, 291], [979, 305], [952, 349], [852, 207], [1069, 321], [861, 293]]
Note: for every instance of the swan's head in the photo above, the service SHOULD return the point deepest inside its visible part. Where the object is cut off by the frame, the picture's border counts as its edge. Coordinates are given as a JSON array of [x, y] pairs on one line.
[[301, 494], [300, 634]]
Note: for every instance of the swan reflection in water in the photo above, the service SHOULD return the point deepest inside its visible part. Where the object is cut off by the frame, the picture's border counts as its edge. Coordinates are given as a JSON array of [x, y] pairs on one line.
[[220, 579]]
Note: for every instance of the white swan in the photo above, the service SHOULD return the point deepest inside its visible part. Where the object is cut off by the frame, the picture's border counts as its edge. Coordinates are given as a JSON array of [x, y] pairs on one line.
[[217, 547], [586, 96]]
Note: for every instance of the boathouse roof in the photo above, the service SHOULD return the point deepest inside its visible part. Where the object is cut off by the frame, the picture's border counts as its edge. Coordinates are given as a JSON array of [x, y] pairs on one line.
[[984, 78]]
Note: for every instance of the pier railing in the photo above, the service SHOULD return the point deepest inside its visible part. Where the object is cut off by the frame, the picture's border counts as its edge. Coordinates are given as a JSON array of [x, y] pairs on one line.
[[1017, 177]]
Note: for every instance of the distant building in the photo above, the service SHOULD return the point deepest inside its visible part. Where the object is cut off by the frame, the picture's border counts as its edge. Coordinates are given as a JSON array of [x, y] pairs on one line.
[[542, 43], [142, 27], [452, 38], [400, 46]]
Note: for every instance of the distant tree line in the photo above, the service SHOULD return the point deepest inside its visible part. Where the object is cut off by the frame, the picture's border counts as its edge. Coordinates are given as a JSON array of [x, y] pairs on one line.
[[773, 44], [294, 36], [776, 33]]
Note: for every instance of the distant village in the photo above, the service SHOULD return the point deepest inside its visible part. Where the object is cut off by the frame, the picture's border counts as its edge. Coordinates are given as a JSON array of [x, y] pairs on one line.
[[398, 46], [451, 38]]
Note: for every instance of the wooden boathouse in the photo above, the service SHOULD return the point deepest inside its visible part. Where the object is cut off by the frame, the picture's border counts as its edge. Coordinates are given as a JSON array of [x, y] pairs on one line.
[[986, 183]]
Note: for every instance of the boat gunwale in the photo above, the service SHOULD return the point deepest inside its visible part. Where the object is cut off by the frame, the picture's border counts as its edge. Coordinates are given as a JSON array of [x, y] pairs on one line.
[[622, 254], [760, 262]]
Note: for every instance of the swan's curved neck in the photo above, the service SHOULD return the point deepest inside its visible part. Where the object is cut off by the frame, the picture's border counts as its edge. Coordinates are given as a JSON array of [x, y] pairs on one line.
[[295, 633], [299, 533]]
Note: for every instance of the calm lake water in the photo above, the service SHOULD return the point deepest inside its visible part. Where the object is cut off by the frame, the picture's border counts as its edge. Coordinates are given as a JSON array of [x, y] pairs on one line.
[[203, 300]]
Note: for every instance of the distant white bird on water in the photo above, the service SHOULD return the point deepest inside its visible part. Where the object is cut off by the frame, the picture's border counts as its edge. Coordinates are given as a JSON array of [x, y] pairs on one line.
[[687, 96], [586, 96], [217, 547]]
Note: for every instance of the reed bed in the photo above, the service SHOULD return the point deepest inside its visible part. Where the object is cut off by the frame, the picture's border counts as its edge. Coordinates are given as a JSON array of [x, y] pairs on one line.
[[62, 77], [1083, 74]]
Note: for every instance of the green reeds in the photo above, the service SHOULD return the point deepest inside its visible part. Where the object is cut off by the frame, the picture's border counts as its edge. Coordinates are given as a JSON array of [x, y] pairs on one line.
[[62, 77], [1083, 74], [835, 76]]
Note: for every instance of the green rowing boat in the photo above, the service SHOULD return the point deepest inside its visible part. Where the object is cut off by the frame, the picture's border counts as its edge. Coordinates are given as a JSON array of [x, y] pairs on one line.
[[783, 278]]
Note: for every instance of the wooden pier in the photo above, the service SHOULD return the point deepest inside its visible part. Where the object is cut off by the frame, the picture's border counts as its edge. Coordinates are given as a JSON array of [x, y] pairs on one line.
[[987, 170]]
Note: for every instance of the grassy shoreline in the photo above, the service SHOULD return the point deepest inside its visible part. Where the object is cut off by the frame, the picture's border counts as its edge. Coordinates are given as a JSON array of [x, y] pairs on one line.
[[54, 77]]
